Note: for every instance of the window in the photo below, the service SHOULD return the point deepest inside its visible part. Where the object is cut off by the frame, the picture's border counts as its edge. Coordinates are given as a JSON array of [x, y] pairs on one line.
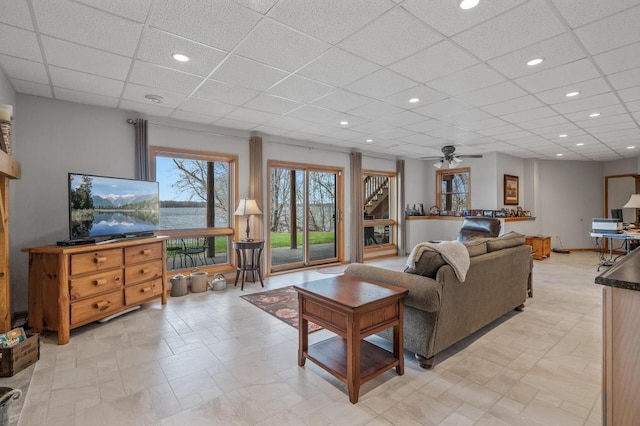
[[453, 190], [197, 196], [379, 201]]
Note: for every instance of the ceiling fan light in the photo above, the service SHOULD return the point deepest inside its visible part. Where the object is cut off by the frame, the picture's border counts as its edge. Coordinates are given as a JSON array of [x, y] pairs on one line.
[[452, 164], [457, 160], [438, 164]]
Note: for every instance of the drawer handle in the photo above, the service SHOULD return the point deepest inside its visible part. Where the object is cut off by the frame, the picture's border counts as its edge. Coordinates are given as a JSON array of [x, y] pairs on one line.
[[145, 271], [99, 282], [101, 306], [116, 279], [100, 259], [145, 252], [145, 289]]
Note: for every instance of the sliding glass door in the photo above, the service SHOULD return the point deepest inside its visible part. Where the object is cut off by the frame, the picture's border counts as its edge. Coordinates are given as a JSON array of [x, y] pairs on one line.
[[303, 216]]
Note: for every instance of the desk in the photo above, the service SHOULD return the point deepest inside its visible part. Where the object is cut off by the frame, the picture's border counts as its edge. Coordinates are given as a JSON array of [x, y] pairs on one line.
[[248, 254], [625, 237]]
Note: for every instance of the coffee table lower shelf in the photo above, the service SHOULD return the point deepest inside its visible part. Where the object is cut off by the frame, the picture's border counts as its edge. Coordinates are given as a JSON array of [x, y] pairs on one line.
[[331, 355]]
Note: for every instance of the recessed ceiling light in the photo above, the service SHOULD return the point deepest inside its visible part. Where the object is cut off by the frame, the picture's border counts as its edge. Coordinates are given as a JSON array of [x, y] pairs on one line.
[[559, 155], [180, 57], [572, 94], [595, 114], [156, 99], [631, 147], [564, 135], [580, 144], [468, 4], [369, 140], [534, 62], [414, 100], [344, 123]]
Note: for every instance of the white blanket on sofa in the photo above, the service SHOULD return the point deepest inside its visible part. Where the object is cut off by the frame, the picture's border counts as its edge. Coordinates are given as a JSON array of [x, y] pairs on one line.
[[453, 252]]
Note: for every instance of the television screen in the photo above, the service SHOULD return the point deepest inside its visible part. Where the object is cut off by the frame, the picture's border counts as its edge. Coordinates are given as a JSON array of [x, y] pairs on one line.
[[111, 207]]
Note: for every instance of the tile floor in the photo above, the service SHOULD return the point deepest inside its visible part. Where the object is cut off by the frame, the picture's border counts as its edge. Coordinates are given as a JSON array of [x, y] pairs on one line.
[[212, 358]]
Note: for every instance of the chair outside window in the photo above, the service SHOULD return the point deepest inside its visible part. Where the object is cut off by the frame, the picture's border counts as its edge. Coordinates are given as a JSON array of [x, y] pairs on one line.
[[194, 250]]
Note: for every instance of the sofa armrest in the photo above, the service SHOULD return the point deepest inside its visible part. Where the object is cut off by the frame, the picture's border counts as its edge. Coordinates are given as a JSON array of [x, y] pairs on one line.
[[424, 293]]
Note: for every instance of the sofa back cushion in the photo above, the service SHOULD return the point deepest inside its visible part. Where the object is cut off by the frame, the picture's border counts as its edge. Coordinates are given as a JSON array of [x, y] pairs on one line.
[[427, 265], [511, 239], [476, 246]]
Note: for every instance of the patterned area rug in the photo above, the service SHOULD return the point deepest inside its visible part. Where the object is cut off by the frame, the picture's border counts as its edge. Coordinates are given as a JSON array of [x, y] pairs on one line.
[[282, 303]]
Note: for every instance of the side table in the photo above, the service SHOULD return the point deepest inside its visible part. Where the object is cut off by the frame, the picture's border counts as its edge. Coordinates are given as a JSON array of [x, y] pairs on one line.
[[249, 255], [353, 309], [541, 246]]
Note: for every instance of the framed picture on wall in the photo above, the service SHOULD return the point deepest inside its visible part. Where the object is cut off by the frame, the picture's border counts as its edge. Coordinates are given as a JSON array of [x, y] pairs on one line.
[[511, 190]]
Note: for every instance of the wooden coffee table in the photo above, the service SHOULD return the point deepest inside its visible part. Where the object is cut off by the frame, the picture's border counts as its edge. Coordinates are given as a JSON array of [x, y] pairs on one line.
[[353, 309]]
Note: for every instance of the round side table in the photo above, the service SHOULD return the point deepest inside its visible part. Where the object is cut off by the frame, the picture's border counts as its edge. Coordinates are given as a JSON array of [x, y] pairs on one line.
[[248, 254]]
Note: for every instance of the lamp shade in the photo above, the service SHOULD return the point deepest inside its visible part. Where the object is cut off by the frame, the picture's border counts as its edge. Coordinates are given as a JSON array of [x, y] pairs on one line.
[[247, 207], [633, 203]]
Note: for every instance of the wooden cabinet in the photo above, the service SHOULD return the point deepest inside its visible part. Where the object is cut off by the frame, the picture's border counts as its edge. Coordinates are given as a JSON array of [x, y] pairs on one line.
[[73, 286], [540, 246]]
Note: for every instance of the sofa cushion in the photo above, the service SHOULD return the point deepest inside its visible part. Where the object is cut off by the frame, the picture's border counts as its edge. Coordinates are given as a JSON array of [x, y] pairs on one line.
[[427, 265], [476, 246], [511, 239]]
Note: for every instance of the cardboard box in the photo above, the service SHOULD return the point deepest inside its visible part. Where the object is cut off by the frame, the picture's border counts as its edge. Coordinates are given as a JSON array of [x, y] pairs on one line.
[[20, 356]]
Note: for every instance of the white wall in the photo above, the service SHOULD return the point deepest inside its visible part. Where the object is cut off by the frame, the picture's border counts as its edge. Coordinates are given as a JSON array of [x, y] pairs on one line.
[[508, 165], [7, 94], [621, 167]]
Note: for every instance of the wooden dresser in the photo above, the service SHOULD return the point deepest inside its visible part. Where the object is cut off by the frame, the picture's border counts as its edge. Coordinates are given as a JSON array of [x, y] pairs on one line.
[[73, 286]]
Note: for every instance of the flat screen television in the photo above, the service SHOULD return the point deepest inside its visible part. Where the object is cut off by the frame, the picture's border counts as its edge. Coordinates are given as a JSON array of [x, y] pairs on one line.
[[104, 207]]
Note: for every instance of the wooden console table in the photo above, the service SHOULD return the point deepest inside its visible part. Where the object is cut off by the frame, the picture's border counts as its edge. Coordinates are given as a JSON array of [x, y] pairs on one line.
[[75, 285], [353, 309]]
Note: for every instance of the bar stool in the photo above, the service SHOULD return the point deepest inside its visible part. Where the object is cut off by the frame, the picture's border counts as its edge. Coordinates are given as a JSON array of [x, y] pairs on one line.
[[248, 254]]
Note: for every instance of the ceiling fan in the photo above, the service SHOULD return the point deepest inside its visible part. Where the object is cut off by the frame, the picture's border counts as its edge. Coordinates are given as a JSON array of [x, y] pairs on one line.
[[448, 154]]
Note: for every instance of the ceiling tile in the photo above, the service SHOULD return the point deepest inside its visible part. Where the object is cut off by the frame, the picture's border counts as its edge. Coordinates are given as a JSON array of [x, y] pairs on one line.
[[618, 127], [145, 108], [136, 93], [193, 116], [84, 98], [404, 118], [234, 124], [555, 51], [20, 43], [16, 13], [491, 95], [560, 76], [226, 93], [251, 116], [23, 69], [69, 55], [300, 89], [487, 123], [380, 84], [528, 115], [375, 110], [31, 88], [605, 111], [426, 95], [596, 101], [630, 94], [68, 79], [261, 6], [443, 108], [315, 114], [204, 106], [517, 137], [216, 23], [394, 36], [436, 61], [514, 105], [338, 68], [620, 29], [318, 129], [466, 117], [396, 133], [328, 20], [633, 106], [599, 122], [467, 80], [625, 79], [522, 26], [266, 44], [621, 59], [448, 18], [87, 26], [150, 75], [373, 128], [136, 10], [274, 104], [342, 101], [579, 13], [425, 126], [158, 46], [247, 73], [543, 122], [290, 123], [493, 131], [586, 88]]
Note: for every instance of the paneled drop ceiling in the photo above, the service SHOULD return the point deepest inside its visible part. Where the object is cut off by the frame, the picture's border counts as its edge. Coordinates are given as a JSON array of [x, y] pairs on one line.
[[298, 68]]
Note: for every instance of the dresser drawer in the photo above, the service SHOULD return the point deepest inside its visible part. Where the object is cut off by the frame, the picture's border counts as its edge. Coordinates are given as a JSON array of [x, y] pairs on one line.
[[96, 307], [90, 285], [142, 253], [140, 292], [142, 272], [98, 260]]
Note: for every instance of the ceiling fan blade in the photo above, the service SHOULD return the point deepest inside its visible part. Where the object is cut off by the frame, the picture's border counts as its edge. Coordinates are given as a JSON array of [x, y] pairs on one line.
[[470, 156], [430, 158]]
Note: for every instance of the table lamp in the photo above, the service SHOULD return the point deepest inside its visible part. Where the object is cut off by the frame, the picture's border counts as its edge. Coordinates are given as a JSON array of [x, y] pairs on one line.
[[247, 207], [633, 203]]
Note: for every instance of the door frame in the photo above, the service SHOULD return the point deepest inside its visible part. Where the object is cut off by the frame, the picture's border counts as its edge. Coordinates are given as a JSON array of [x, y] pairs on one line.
[[339, 222]]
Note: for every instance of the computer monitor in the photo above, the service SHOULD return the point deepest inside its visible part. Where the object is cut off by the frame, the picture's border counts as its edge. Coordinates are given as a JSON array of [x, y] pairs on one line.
[[616, 214]]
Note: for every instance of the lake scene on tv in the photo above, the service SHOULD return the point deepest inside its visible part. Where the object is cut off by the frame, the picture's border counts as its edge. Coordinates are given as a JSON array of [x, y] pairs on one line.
[[106, 206]]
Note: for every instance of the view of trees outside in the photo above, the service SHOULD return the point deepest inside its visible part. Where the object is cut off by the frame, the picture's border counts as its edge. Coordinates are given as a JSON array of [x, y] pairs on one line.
[[455, 187]]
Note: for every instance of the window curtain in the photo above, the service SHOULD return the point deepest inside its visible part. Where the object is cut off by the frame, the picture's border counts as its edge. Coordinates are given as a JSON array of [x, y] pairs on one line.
[[142, 148], [402, 229], [357, 209], [255, 184]]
